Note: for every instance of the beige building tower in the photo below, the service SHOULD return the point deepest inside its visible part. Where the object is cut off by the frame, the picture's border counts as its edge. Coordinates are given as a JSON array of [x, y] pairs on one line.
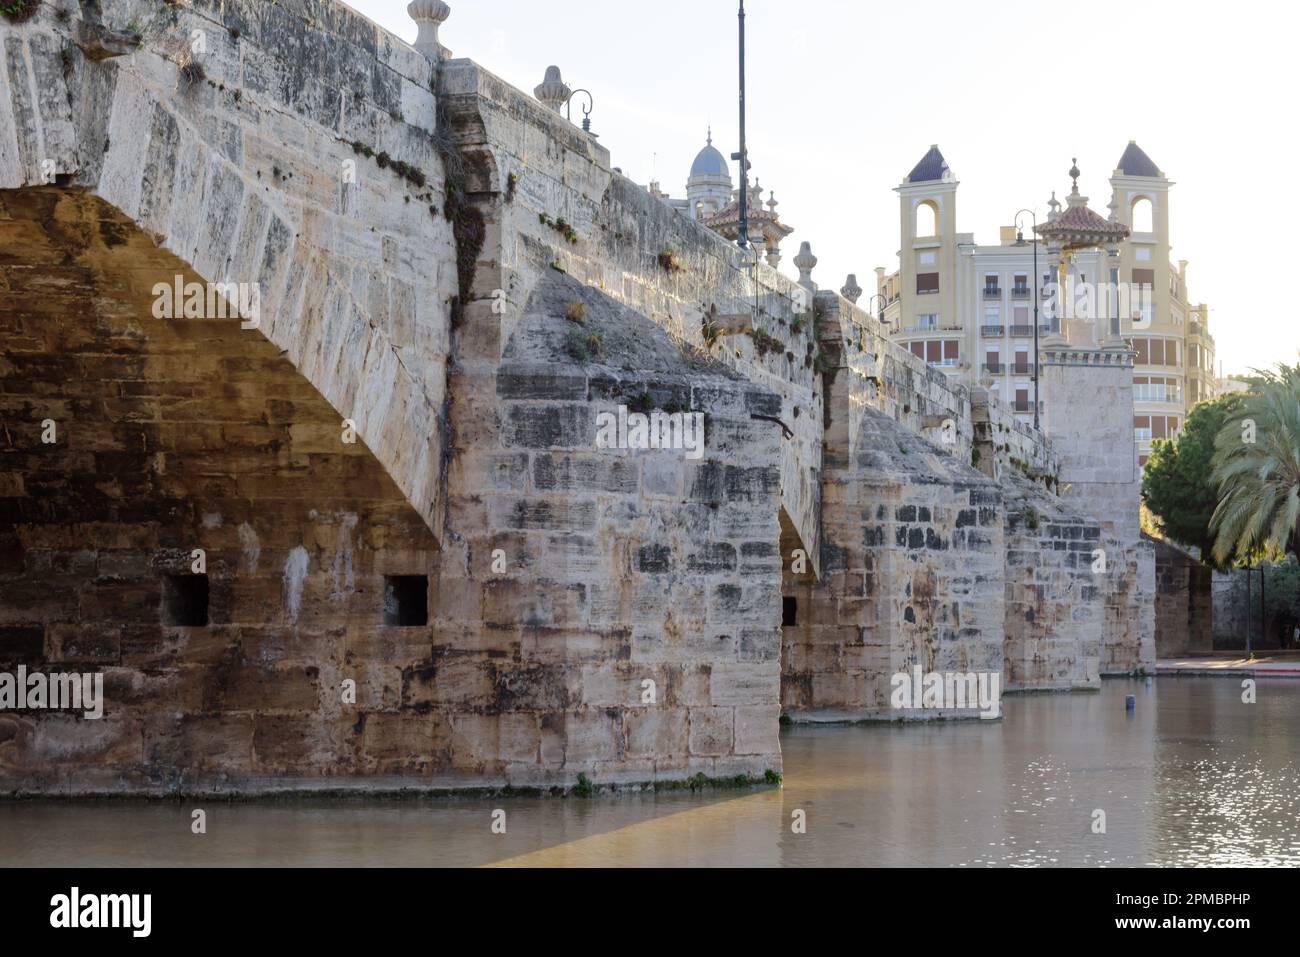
[[967, 308], [1174, 367]]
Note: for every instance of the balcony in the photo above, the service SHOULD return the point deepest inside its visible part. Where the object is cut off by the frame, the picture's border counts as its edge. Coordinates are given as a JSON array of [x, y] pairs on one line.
[[993, 368], [1021, 369], [1157, 393], [1019, 292], [1022, 330], [992, 332], [992, 292], [1025, 406]]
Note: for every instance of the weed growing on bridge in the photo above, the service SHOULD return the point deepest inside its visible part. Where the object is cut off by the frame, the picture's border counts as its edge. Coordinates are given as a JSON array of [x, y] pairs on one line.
[[18, 11], [763, 343], [576, 312], [560, 226], [193, 73], [669, 262], [469, 230], [583, 346], [641, 403]]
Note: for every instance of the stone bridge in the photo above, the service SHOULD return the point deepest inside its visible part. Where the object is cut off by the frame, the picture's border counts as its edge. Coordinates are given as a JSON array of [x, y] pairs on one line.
[[356, 530]]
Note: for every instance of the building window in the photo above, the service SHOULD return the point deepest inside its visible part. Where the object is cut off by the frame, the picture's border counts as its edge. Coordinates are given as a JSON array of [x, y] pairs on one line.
[[185, 601], [926, 283], [1022, 400], [1142, 428], [937, 352], [406, 600]]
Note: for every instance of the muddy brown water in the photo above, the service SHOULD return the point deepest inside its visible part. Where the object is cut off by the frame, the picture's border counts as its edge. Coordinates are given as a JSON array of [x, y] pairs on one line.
[[1193, 777]]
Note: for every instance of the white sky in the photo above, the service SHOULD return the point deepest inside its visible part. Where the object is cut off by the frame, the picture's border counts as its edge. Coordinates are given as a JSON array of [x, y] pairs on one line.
[[845, 96]]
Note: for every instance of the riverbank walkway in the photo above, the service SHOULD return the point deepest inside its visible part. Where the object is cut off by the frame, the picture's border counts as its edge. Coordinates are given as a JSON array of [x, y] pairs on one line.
[[1265, 664]]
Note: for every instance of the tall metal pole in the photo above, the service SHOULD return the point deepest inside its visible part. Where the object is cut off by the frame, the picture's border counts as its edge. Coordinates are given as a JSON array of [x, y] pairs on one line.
[[1263, 611], [1248, 653], [1034, 280], [743, 240]]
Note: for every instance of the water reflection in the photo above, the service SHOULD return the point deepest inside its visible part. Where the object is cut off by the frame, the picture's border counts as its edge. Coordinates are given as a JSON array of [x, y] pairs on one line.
[[1192, 777]]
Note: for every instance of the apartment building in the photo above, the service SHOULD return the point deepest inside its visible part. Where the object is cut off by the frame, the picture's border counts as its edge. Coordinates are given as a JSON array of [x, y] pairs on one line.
[[971, 309]]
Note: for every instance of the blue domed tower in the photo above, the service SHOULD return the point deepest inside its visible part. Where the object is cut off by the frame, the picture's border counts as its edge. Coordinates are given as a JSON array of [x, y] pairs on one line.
[[709, 188]]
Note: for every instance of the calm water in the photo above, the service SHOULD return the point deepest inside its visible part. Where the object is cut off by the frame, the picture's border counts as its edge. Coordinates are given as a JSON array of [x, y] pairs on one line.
[[1194, 777]]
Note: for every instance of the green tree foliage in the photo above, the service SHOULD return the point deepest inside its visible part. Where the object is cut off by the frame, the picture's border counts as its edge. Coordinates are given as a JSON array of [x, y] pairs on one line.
[[1177, 486], [1257, 469]]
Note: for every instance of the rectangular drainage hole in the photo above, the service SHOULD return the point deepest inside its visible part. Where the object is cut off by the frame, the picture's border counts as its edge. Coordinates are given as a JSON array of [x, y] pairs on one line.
[[406, 600], [185, 600]]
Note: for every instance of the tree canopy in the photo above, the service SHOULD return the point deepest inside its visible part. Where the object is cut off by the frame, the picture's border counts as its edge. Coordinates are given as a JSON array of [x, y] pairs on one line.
[[1177, 485], [1257, 469]]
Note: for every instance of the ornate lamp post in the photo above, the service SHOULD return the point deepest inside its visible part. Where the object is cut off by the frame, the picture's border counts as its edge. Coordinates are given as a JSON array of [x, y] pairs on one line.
[[1020, 241], [586, 113], [880, 316]]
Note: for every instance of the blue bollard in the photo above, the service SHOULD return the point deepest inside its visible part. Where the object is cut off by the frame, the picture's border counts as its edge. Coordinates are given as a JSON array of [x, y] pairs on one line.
[[1131, 703]]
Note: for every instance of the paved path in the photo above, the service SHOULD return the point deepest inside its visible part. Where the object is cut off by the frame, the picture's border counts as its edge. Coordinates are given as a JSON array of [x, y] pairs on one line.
[[1266, 665]]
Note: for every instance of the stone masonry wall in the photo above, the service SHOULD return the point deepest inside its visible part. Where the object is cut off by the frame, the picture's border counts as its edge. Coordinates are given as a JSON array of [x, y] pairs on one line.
[[171, 436], [913, 555], [1184, 602], [1088, 398]]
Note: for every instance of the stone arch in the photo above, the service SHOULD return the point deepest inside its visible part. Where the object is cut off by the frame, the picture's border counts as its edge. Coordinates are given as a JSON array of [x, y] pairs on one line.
[[925, 219], [244, 188], [1142, 209]]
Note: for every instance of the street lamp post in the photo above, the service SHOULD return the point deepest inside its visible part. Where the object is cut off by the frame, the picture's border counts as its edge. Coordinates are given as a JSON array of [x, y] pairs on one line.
[[743, 238], [1020, 241], [883, 303]]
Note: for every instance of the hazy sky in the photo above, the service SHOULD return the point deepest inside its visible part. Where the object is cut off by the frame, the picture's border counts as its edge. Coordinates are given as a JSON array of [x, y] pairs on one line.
[[845, 96]]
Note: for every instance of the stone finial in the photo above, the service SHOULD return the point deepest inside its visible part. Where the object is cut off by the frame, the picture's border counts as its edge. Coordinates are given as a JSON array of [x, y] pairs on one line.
[[852, 291], [553, 91], [1053, 208], [806, 262], [429, 14]]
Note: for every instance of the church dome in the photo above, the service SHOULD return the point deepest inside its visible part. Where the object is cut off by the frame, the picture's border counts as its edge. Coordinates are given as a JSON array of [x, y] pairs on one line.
[[710, 162]]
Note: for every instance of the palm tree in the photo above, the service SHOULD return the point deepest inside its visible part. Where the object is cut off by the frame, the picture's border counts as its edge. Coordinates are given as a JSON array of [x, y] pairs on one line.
[[1257, 469]]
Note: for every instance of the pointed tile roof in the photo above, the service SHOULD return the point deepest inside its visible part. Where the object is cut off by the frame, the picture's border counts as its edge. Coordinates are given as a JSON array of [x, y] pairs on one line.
[[1134, 162], [932, 167]]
